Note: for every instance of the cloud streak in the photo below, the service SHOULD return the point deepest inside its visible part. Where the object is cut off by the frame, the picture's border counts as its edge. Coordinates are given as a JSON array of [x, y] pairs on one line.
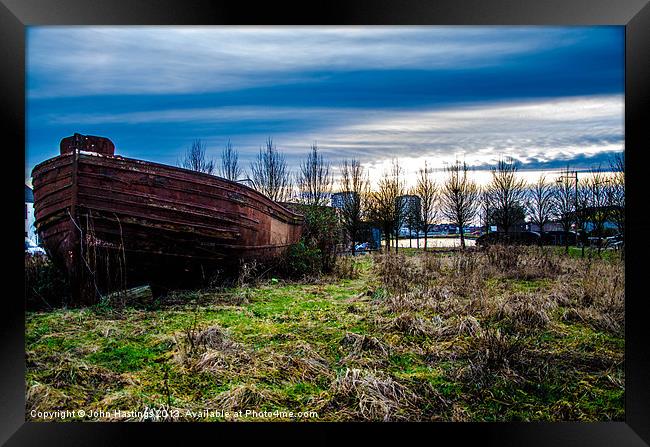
[[77, 61]]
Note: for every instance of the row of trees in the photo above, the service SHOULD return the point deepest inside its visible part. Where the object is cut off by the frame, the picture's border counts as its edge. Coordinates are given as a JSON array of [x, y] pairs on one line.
[[269, 173], [506, 201]]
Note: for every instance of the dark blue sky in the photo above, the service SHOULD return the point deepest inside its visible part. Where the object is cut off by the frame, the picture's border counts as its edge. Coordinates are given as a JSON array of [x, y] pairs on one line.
[[544, 95]]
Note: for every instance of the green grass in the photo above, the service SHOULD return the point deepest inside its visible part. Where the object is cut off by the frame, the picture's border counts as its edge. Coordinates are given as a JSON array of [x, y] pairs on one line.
[[590, 252], [289, 351]]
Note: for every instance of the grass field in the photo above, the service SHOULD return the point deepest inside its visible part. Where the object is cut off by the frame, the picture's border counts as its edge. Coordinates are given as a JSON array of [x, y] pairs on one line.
[[503, 335]]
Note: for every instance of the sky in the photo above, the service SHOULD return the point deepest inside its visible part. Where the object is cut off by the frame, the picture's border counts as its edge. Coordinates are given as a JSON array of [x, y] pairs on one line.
[[545, 96]]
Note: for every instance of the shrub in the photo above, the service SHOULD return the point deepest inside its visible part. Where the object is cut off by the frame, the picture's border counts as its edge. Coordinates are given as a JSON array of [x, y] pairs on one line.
[[303, 260], [45, 285], [315, 253]]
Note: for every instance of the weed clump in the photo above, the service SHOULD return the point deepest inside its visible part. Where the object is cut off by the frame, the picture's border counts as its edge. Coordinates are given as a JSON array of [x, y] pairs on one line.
[[594, 295], [345, 268], [526, 311], [243, 397], [492, 352], [469, 326], [504, 258], [302, 261], [412, 325], [366, 395], [357, 345], [397, 273], [208, 349], [305, 364]]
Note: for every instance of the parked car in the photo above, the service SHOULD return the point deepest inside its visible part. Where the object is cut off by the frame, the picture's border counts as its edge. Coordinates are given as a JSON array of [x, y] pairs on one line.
[[615, 241], [33, 249], [361, 247], [559, 237], [488, 239], [594, 241], [519, 238]]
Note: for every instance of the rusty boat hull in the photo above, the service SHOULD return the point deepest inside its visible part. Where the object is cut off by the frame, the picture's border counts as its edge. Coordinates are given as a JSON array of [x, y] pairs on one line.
[[112, 222]]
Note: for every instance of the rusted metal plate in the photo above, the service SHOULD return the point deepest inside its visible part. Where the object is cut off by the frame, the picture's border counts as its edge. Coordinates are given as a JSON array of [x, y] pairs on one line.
[[108, 219], [89, 143]]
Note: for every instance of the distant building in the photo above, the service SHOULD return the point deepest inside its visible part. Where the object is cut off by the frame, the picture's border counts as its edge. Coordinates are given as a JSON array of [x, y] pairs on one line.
[[549, 226], [443, 228], [30, 230], [411, 206], [338, 198], [411, 202]]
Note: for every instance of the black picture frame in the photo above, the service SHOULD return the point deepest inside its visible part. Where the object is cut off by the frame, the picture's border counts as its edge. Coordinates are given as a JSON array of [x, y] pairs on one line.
[[16, 15]]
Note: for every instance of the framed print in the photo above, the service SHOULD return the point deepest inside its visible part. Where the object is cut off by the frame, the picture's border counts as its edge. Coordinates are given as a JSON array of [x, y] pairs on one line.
[[355, 219]]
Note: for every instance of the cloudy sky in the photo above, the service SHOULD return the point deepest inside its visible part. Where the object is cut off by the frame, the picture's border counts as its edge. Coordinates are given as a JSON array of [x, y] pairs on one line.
[[547, 96]]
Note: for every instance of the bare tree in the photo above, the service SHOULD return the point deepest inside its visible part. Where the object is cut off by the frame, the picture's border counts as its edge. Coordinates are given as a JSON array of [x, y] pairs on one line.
[[564, 199], [230, 168], [582, 213], [270, 174], [314, 179], [459, 198], [379, 213], [540, 203], [507, 194], [412, 211], [485, 208], [400, 208], [387, 206], [354, 190], [427, 190], [195, 158], [597, 211], [616, 191]]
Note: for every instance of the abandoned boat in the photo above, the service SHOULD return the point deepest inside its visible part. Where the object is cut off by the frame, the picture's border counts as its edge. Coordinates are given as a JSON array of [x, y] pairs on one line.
[[112, 222]]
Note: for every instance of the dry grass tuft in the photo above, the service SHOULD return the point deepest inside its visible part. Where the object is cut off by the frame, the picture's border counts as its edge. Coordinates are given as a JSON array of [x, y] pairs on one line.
[[396, 272], [220, 361], [373, 398], [242, 397], [431, 264], [504, 258], [592, 317], [214, 337], [469, 325], [524, 262], [403, 302], [357, 345], [305, 364], [492, 353], [210, 349], [594, 295], [64, 370], [527, 311], [412, 325], [42, 397], [345, 267]]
